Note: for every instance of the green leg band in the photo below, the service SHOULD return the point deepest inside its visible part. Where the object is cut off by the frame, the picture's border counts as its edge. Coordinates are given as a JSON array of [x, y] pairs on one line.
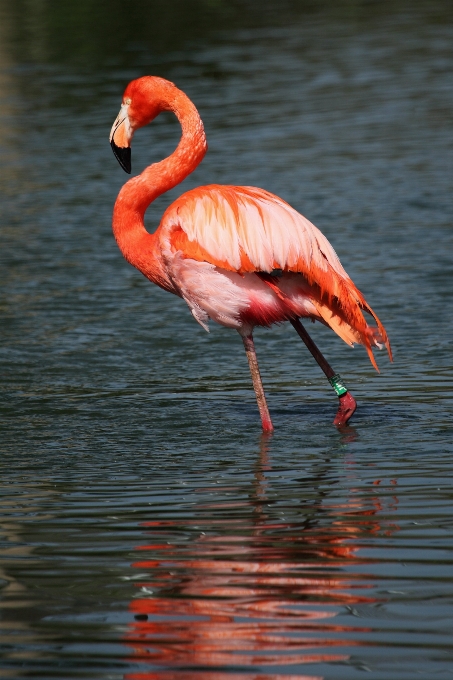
[[338, 385]]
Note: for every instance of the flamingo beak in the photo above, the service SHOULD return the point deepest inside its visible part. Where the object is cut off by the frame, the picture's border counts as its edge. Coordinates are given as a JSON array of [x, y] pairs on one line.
[[120, 138]]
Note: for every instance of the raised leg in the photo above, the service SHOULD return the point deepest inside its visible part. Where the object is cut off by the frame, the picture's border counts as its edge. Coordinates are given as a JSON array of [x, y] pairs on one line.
[[347, 404], [257, 384]]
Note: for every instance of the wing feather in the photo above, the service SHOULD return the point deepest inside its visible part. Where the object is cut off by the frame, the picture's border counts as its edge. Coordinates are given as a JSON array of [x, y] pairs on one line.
[[230, 222], [246, 229]]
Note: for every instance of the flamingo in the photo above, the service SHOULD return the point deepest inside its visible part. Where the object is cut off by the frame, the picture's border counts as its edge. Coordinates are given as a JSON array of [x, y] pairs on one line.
[[238, 255]]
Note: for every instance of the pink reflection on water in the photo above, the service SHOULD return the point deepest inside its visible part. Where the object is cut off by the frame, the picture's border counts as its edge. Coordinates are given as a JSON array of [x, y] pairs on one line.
[[265, 596], [216, 675]]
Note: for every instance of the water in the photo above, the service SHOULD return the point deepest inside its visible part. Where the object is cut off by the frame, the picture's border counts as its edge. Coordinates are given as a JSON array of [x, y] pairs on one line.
[[149, 529]]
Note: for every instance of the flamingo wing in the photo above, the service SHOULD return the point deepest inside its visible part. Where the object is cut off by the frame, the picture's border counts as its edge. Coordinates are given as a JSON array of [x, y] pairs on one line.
[[249, 229], [246, 229]]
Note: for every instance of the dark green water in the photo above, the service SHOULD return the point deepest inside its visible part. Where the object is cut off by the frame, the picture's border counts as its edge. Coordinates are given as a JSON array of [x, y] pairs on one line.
[[149, 530]]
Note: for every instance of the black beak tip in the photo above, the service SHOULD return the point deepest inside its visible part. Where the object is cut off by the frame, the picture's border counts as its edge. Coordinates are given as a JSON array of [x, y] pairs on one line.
[[123, 156]]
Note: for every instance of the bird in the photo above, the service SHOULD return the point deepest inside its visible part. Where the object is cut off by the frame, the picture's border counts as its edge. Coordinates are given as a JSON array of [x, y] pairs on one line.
[[238, 255]]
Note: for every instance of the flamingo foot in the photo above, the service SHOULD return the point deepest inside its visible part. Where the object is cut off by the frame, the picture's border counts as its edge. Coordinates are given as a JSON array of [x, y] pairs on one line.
[[346, 409], [267, 426]]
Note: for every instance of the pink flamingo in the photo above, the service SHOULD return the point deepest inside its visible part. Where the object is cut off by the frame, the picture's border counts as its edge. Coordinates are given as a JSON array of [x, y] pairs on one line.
[[240, 256]]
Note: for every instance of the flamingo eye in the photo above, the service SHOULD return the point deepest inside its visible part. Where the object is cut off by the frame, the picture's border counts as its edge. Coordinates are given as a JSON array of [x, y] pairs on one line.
[[128, 100]]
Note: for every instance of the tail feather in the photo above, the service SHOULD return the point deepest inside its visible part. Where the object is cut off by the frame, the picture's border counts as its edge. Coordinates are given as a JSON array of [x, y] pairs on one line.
[[349, 306], [340, 304], [342, 311]]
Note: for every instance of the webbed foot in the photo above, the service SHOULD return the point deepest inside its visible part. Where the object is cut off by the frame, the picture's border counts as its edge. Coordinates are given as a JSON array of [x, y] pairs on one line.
[[346, 409]]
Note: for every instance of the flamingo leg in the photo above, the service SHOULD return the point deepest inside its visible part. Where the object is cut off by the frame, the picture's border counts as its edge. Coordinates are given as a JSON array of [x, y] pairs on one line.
[[347, 404], [249, 346]]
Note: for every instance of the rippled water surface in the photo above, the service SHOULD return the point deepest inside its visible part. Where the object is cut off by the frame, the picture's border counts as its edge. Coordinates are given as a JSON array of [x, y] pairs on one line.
[[149, 529]]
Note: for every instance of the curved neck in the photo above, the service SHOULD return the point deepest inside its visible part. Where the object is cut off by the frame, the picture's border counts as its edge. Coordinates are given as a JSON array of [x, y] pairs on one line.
[[138, 193]]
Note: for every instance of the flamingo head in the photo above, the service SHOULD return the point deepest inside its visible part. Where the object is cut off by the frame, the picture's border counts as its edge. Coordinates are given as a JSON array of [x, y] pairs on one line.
[[143, 100], [121, 135]]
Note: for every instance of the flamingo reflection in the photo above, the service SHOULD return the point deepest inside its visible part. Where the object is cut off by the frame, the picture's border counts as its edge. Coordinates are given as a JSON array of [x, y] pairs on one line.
[[251, 592]]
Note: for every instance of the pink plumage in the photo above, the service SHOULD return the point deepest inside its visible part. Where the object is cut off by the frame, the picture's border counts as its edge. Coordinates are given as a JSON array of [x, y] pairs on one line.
[[237, 255]]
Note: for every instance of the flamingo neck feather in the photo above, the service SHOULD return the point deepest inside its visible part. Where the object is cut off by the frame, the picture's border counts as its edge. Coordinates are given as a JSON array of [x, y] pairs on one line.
[[138, 246]]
